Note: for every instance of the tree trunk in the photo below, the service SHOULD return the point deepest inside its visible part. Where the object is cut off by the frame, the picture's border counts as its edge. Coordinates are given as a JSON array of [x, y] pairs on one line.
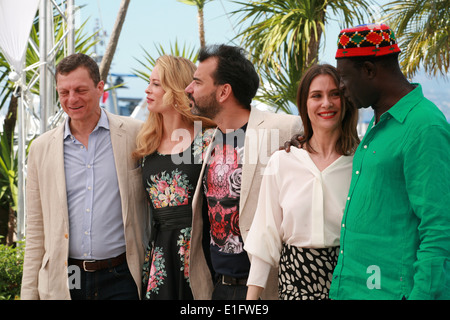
[[314, 44], [12, 225], [9, 124], [201, 28], [4, 218], [112, 44]]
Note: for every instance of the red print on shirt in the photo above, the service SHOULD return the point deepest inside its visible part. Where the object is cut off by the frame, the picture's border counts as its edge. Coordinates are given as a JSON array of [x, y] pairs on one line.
[[223, 186]]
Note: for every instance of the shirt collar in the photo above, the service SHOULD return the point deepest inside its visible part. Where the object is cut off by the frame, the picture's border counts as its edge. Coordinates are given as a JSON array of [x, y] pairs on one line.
[[401, 109], [102, 122]]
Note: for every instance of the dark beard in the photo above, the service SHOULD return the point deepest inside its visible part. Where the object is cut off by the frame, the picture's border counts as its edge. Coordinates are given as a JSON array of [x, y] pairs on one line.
[[209, 109]]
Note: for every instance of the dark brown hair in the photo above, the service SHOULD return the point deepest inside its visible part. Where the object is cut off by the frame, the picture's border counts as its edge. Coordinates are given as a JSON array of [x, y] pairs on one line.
[[76, 60], [233, 68], [348, 140]]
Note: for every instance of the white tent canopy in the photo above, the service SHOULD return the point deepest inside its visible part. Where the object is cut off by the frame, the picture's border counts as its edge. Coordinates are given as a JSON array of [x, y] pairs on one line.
[[16, 19]]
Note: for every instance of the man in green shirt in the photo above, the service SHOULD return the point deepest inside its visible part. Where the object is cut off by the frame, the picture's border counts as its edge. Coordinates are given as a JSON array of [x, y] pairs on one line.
[[395, 233]]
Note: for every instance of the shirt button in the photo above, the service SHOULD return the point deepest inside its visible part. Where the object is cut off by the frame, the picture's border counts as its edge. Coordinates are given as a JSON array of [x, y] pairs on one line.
[[348, 199], [89, 166], [343, 225], [357, 172], [365, 147], [88, 210], [66, 236]]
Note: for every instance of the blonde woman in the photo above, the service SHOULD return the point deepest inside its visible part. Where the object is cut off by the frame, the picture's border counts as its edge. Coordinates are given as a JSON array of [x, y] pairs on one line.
[[170, 146]]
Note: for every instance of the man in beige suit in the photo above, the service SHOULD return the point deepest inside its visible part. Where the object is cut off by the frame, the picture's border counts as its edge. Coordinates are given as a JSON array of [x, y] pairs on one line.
[[86, 212], [227, 191]]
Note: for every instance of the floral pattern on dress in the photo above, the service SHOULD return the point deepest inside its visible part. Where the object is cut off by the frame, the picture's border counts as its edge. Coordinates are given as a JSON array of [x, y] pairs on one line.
[[184, 241], [157, 272], [169, 189], [169, 186], [155, 277]]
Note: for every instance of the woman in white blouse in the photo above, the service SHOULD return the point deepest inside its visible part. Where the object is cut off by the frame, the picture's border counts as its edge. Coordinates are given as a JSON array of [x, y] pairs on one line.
[[303, 194]]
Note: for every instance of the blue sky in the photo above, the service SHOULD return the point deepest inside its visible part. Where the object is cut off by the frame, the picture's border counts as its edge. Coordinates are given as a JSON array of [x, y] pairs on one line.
[[154, 22]]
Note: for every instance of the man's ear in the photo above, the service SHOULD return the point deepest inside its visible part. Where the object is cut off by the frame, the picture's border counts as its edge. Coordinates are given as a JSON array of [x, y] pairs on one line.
[[224, 92], [101, 87], [370, 69]]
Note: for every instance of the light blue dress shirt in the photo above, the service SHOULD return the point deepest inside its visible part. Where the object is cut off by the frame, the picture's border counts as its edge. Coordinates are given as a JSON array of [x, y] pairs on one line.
[[95, 211]]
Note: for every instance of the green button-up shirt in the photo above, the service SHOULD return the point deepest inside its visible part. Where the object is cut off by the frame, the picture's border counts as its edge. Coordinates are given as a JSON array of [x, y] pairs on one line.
[[395, 233]]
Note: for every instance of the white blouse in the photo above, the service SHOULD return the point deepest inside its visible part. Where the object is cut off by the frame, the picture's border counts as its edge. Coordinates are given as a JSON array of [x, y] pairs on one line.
[[298, 205]]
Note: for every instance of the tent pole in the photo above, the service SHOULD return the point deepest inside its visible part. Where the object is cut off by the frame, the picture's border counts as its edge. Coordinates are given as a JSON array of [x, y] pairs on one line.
[[43, 68]]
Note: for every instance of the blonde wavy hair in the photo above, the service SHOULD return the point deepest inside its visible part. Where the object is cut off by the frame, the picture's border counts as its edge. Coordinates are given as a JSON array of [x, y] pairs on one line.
[[175, 73]]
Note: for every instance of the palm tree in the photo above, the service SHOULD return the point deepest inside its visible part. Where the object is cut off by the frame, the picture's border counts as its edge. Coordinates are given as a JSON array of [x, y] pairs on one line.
[[201, 22], [279, 89], [114, 40], [423, 30], [283, 38]]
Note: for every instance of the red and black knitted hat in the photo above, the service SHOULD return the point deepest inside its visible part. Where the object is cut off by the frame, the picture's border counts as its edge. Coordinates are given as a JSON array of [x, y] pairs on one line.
[[366, 40]]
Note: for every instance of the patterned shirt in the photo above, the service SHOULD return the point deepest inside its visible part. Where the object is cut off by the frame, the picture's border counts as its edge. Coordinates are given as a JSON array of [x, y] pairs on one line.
[[222, 187]]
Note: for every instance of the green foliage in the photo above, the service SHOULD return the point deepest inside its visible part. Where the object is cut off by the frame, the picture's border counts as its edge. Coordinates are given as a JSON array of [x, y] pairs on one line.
[[199, 3], [280, 89], [422, 28], [83, 43], [6, 87], [11, 261], [175, 49], [291, 30], [283, 38], [8, 173]]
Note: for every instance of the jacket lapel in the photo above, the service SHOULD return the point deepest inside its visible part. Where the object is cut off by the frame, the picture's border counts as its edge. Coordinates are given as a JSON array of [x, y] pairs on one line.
[[56, 156], [253, 139], [198, 196], [119, 146]]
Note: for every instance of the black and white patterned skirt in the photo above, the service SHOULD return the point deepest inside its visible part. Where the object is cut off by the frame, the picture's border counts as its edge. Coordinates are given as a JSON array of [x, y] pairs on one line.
[[305, 273]]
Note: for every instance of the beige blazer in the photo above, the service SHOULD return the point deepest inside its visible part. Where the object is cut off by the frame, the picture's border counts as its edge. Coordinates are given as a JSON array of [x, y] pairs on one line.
[[266, 132], [45, 270]]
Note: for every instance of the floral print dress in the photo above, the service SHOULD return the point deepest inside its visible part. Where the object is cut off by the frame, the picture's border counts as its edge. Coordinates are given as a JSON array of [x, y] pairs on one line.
[[170, 181]]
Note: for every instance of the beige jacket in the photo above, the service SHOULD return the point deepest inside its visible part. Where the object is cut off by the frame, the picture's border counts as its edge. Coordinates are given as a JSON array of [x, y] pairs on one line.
[[266, 132], [45, 270]]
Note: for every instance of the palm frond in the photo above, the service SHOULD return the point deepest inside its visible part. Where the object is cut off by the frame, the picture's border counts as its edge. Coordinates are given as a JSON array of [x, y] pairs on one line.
[[423, 32], [284, 37], [148, 61]]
